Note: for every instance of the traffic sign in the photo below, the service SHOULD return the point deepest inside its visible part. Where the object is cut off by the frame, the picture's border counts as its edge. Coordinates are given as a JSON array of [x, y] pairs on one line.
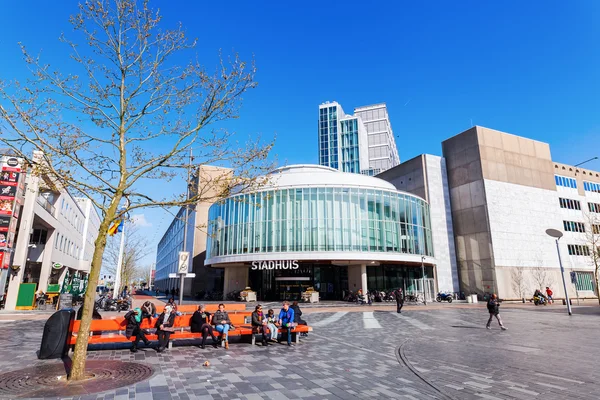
[[184, 262]]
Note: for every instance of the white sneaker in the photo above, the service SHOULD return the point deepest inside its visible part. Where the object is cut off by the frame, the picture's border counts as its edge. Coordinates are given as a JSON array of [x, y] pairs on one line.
[[487, 327], [503, 328]]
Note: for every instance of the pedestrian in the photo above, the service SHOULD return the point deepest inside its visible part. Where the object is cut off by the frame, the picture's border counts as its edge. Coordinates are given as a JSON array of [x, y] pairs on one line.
[[259, 323], [134, 319], [549, 294], [399, 294], [164, 327], [201, 323], [177, 292], [286, 320], [493, 307], [223, 325]]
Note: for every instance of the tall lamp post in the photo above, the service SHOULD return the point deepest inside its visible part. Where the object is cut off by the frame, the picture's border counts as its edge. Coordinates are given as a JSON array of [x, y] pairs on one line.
[[423, 278], [556, 234]]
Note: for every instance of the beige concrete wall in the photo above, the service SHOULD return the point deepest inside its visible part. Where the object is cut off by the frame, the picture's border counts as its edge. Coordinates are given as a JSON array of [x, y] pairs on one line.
[[210, 184], [514, 159], [469, 212], [236, 278], [408, 176]]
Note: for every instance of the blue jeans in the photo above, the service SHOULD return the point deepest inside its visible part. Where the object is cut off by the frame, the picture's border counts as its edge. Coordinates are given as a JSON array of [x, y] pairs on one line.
[[224, 329], [289, 334]]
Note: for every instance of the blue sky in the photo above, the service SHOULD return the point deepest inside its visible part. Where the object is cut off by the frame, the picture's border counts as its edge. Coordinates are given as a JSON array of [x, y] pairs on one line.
[[528, 68]]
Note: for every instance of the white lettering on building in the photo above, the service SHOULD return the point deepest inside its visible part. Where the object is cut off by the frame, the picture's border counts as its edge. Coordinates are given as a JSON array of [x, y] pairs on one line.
[[279, 264]]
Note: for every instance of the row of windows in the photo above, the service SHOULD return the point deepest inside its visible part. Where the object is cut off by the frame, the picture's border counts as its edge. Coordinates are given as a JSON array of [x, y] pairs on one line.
[[591, 187], [571, 226], [66, 246], [594, 207], [566, 182], [570, 204], [376, 126], [578, 250], [596, 229], [372, 114], [319, 219]]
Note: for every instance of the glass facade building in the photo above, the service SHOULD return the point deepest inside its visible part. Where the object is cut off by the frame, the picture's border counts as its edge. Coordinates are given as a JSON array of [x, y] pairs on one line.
[[362, 143], [312, 219], [331, 224]]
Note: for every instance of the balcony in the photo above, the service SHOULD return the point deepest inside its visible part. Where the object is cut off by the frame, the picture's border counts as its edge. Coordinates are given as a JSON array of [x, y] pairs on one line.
[[46, 205]]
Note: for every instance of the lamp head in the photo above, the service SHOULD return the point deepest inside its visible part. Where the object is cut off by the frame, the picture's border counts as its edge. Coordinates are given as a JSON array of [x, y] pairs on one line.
[[555, 233]]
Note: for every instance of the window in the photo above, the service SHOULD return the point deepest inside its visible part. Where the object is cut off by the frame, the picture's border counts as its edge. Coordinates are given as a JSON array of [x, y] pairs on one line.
[[596, 229], [591, 187], [594, 207], [570, 204], [585, 281], [566, 182], [578, 250], [38, 236], [571, 226]]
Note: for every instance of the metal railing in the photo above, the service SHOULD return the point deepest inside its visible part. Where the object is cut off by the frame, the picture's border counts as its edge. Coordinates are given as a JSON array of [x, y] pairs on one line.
[[46, 205]]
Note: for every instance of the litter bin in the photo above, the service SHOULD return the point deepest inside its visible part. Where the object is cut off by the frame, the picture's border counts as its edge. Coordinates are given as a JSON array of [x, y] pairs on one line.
[[56, 335], [473, 298]]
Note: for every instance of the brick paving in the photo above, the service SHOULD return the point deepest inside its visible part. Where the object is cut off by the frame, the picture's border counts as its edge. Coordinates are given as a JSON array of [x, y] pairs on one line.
[[443, 353]]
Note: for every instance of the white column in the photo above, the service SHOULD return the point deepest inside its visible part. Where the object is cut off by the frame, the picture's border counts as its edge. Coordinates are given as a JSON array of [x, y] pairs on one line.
[[46, 268], [22, 246], [363, 278]]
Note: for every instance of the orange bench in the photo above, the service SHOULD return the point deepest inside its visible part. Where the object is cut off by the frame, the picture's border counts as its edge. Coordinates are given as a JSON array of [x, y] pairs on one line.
[[191, 308], [113, 330]]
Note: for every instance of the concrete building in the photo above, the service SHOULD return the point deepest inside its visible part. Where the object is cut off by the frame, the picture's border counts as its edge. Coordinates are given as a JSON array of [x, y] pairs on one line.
[[360, 143], [314, 226], [505, 192], [55, 238], [207, 183], [426, 177]]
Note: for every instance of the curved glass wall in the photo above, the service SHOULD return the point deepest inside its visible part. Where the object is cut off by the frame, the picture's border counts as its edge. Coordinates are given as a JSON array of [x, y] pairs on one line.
[[319, 219]]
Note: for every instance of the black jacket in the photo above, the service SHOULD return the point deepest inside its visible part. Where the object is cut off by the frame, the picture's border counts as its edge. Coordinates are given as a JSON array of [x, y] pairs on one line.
[[169, 323], [493, 306], [197, 321], [399, 294], [297, 314], [257, 319], [132, 324]]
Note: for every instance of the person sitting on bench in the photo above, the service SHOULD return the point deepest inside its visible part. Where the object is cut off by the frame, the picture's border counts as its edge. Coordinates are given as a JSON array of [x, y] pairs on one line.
[[222, 324], [297, 315], [134, 319], [286, 320], [271, 321], [164, 327], [259, 323], [201, 322]]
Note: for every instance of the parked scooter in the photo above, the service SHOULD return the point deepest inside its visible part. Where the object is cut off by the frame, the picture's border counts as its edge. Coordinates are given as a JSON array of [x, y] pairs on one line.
[[444, 297]]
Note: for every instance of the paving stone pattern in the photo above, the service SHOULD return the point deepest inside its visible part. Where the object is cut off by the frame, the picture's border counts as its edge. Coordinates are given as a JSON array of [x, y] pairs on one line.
[[357, 355]]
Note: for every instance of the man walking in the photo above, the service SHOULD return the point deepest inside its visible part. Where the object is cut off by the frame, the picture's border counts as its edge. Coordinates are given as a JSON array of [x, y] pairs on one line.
[[399, 294], [493, 307]]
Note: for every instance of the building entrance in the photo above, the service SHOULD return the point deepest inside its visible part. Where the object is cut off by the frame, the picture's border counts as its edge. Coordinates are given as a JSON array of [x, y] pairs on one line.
[[277, 285]]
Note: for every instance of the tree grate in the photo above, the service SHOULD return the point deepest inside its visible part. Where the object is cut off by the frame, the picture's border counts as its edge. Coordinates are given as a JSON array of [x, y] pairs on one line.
[[51, 381]]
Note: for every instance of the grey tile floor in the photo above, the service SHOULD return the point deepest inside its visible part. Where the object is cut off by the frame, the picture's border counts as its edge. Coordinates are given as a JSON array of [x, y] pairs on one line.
[[444, 354]]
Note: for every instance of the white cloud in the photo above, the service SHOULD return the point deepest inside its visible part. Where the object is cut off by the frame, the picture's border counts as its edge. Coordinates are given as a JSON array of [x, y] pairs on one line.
[[140, 220]]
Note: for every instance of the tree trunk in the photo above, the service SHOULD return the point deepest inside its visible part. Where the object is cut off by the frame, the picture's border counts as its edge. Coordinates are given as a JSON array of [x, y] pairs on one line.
[[80, 354]]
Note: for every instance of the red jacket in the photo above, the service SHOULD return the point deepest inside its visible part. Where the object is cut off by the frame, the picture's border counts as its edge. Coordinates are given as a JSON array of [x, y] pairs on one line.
[[549, 292]]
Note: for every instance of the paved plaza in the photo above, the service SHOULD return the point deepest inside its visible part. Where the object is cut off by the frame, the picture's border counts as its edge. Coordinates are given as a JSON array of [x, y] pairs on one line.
[[444, 353]]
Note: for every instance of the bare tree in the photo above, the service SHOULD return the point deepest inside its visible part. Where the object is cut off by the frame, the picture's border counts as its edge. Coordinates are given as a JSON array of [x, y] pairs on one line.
[[134, 250], [519, 282], [592, 239], [126, 113], [541, 275]]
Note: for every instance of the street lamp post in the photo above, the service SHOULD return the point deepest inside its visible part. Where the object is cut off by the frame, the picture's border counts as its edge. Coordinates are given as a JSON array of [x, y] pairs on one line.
[[423, 278], [556, 234]]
